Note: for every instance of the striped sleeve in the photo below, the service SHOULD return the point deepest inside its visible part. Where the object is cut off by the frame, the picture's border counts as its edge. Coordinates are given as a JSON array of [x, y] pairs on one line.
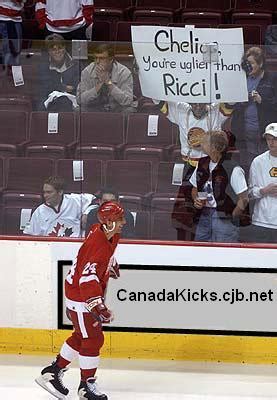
[[40, 13], [87, 9]]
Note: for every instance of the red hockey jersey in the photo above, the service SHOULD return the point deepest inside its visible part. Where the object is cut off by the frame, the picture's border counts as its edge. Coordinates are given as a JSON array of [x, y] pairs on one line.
[[88, 277]]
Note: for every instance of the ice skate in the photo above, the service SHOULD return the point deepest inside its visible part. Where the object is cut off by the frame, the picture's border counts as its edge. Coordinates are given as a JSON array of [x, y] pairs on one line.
[[89, 391], [51, 380]]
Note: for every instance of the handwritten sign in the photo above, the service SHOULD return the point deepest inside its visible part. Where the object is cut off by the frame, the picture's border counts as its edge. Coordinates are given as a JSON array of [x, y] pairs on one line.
[[190, 64]]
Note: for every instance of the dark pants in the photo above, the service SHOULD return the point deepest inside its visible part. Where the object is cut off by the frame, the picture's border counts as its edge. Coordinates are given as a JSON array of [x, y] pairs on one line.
[[185, 230], [78, 34]]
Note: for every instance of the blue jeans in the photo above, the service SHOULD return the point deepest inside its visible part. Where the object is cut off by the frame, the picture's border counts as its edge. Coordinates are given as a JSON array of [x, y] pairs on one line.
[[11, 33], [213, 228]]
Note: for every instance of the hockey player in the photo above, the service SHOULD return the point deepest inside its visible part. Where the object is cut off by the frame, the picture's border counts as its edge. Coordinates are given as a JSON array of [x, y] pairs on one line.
[[85, 287]]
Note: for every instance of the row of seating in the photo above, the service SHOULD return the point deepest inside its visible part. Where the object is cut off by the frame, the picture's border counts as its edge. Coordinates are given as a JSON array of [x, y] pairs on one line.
[[156, 225], [86, 135], [138, 182], [108, 29], [130, 6], [105, 31]]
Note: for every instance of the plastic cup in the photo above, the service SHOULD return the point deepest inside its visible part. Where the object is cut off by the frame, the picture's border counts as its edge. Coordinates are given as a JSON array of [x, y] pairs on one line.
[[202, 196]]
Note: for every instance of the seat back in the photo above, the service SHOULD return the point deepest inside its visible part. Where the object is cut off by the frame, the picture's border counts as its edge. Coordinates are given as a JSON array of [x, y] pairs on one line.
[[26, 175], [139, 133], [88, 182]]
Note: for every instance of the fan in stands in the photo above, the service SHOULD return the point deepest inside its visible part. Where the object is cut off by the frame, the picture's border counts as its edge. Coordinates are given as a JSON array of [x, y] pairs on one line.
[[85, 288]]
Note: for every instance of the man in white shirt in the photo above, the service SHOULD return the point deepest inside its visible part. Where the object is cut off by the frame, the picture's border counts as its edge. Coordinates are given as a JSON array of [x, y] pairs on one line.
[[60, 214], [263, 189], [219, 192]]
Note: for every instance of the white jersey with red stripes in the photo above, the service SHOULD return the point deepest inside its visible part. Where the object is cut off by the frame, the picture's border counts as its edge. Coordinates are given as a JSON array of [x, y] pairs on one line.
[[64, 15], [11, 10]]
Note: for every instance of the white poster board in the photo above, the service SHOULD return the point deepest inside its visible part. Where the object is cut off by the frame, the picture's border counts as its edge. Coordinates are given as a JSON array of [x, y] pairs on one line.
[[189, 64]]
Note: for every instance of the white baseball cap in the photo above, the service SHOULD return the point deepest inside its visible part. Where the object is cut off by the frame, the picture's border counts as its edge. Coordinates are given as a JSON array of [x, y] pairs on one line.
[[271, 129]]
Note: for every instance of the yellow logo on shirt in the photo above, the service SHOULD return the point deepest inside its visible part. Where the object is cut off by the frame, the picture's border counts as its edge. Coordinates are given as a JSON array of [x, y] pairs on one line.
[[273, 172]]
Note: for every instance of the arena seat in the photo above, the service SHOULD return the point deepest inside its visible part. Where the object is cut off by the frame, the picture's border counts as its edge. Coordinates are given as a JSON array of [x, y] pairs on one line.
[[51, 145], [131, 178], [92, 175], [13, 132], [11, 220], [26, 175], [252, 34], [101, 135], [163, 227], [141, 145], [164, 179]]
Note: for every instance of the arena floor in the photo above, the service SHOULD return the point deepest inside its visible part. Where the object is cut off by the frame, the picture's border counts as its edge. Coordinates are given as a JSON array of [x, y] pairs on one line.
[[146, 380]]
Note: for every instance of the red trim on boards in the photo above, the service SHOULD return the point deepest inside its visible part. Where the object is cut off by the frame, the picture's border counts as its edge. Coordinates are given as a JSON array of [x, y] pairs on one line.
[[145, 242]]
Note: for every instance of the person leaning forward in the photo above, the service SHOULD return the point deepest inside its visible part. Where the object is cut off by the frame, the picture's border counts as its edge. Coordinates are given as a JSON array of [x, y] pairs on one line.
[[106, 85]]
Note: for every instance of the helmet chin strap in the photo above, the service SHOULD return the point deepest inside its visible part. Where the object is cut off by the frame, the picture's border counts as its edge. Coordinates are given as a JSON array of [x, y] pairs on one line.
[[107, 229]]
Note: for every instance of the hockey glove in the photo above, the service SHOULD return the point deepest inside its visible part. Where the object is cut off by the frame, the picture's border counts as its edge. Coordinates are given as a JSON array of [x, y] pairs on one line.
[[98, 309], [114, 268]]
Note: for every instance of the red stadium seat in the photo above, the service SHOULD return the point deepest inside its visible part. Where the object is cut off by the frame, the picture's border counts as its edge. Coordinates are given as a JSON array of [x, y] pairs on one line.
[[26, 175], [131, 178], [153, 15], [164, 179], [141, 145], [51, 145], [215, 5], [15, 104], [159, 4], [123, 30], [255, 5], [92, 176], [201, 17], [163, 226], [11, 220], [13, 132], [252, 34], [253, 18], [2, 175], [101, 135], [102, 31]]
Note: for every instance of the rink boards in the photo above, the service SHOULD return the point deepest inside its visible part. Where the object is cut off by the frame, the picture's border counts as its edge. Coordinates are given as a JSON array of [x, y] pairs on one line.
[[173, 301]]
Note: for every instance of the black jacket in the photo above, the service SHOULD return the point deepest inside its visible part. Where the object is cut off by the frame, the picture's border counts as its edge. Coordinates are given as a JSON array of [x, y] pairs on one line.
[[128, 230], [267, 110], [50, 80]]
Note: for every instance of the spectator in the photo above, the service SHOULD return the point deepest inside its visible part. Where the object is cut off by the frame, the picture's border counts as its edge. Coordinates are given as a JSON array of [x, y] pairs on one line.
[[11, 30], [60, 214], [73, 19], [193, 120], [219, 191], [188, 117], [108, 194], [60, 74], [106, 85], [250, 118], [263, 189]]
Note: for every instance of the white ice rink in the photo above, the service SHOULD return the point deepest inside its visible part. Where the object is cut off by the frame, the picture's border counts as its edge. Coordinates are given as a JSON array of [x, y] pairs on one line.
[[146, 380]]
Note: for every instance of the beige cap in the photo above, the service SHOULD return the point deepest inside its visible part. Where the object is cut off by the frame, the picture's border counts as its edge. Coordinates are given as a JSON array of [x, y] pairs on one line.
[[271, 129]]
